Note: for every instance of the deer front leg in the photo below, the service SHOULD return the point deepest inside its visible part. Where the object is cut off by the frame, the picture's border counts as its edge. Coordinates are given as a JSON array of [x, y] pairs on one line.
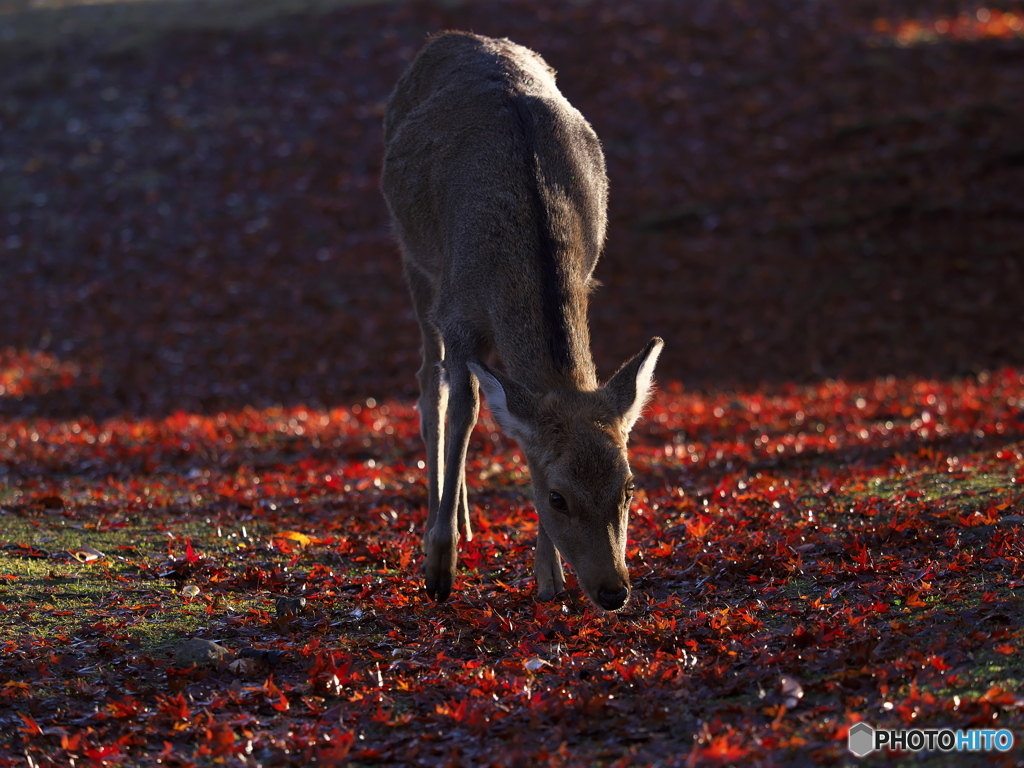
[[433, 402], [547, 567], [433, 409], [442, 539]]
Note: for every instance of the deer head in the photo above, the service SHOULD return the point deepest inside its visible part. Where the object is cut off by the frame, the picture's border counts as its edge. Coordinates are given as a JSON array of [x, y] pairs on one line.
[[575, 445]]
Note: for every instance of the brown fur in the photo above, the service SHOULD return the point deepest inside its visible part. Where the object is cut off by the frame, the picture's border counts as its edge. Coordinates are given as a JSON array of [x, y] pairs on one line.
[[498, 192]]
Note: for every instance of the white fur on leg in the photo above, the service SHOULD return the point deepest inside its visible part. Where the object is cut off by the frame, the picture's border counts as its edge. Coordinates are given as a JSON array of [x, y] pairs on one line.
[[464, 511]]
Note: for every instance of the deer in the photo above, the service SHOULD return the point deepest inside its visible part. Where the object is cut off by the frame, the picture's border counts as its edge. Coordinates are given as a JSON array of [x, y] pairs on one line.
[[497, 191]]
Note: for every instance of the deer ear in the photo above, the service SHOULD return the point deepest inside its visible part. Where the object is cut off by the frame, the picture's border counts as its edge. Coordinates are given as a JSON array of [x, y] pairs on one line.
[[630, 387], [511, 404]]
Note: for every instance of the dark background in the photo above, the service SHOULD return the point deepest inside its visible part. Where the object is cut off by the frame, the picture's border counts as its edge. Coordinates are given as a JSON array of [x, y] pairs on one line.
[[799, 190]]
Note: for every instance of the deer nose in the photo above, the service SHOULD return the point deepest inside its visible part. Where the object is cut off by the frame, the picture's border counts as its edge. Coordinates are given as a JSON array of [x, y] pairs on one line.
[[612, 599]]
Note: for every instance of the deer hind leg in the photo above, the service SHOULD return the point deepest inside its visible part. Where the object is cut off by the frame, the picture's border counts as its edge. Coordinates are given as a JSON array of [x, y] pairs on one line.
[[442, 539], [547, 567]]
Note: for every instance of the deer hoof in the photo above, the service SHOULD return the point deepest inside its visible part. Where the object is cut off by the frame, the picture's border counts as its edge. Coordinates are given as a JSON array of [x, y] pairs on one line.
[[440, 568], [550, 581], [439, 589], [548, 594]]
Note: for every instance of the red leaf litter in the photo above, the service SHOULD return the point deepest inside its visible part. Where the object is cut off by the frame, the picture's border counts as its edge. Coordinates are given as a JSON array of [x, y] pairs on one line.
[[207, 348]]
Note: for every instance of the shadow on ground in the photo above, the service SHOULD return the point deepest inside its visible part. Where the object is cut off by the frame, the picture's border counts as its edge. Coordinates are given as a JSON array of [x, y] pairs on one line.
[[195, 224]]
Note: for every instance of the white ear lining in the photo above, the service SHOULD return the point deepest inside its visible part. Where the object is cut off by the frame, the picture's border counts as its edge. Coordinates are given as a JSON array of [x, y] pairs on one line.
[[644, 379], [497, 401]]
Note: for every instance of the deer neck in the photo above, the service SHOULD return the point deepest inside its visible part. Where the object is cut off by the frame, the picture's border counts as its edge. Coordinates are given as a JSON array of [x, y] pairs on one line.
[[557, 358]]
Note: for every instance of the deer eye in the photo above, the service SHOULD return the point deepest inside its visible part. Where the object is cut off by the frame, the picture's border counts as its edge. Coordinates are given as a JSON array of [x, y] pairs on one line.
[[630, 487], [558, 502]]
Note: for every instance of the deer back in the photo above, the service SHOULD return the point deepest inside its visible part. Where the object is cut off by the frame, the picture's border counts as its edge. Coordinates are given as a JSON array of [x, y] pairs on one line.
[[498, 191]]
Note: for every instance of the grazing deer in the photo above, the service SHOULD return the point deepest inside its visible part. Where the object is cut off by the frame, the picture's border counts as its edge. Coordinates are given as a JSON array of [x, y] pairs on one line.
[[497, 189]]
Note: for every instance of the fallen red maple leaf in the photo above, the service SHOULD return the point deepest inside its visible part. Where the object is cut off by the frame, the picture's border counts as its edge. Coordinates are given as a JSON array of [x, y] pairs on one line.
[[31, 727], [335, 753]]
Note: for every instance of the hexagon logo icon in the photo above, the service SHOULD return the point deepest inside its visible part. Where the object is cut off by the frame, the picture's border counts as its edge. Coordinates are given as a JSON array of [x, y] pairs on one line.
[[861, 739]]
